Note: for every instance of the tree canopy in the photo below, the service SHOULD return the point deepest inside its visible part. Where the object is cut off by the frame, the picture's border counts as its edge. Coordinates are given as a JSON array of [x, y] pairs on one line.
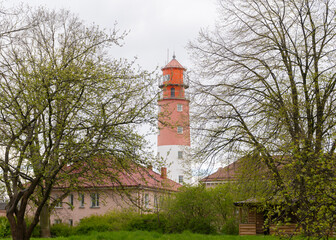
[[64, 102], [269, 91]]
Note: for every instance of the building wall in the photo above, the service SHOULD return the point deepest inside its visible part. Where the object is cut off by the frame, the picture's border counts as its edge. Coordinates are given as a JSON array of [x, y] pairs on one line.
[[176, 166], [109, 200], [2, 213], [170, 119]]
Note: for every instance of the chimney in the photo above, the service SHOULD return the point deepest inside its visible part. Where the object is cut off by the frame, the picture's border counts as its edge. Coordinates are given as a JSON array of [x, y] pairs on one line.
[[164, 173]]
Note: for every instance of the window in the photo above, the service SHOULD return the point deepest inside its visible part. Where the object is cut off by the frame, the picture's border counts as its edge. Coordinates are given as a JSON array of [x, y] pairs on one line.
[[179, 130], [57, 221], [156, 201], [180, 179], [180, 154], [179, 107], [70, 222], [166, 78], [146, 200], [59, 202], [71, 200], [172, 92], [81, 200], [94, 200]]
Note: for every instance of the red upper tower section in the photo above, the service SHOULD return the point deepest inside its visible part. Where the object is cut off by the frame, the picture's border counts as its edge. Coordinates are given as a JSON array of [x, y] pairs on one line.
[[172, 82], [174, 106]]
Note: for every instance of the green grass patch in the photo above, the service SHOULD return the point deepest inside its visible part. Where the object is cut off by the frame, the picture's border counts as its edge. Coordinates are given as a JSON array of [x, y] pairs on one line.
[[144, 235]]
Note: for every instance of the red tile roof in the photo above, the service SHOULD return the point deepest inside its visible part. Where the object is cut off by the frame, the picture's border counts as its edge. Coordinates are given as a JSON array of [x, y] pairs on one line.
[[228, 173], [132, 176], [243, 165], [173, 64]]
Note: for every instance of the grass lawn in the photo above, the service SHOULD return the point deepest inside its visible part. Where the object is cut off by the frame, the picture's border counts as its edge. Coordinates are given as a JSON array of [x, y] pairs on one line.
[[142, 235]]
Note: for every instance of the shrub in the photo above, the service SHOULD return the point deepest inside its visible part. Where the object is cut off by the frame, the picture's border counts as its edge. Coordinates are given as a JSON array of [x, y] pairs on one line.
[[61, 230], [148, 222], [231, 227], [4, 227], [93, 223], [202, 210], [112, 221]]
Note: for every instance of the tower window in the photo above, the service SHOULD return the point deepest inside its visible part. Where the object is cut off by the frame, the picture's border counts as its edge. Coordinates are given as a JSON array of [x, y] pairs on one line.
[[166, 78], [180, 179], [172, 92], [179, 154], [179, 130], [179, 107]]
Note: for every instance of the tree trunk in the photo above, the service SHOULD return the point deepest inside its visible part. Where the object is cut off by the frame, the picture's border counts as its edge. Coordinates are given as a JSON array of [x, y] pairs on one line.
[[18, 230], [45, 222]]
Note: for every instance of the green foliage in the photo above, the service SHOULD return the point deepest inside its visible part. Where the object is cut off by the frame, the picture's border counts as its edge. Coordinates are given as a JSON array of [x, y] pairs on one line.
[[231, 227], [202, 210], [149, 222], [4, 227], [112, 221], [61, 229], [66, 102], [144, 235], [269, 90], [194, 209], [191, 209]]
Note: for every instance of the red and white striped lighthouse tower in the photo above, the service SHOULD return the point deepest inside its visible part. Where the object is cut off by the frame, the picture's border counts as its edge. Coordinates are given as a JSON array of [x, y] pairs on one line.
[[174, 129]]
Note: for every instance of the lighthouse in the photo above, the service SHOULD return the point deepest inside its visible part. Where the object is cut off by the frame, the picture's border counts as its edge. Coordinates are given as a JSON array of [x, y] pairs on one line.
[[174, 129]]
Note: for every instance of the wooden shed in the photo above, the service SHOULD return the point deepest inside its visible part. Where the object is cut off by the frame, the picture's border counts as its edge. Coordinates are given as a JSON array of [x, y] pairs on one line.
[[252, 217]]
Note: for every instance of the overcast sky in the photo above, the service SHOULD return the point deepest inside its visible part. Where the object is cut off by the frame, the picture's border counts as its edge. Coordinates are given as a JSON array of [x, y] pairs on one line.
[[155, 25]]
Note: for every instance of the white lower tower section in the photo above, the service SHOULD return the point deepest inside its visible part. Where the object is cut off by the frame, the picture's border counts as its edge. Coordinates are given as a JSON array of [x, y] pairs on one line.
[[176, 159]]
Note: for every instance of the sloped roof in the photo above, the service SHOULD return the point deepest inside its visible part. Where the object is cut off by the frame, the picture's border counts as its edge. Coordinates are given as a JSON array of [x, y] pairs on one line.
[[132, 176], [243, 165], [173, 64], [228, 173]]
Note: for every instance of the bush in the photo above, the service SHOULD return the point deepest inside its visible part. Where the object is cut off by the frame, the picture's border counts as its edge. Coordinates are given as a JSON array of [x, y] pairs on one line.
[[231, 227], [95, 224], [148, 222], [202, 210], [61, 230], [194, 209], [112, 221], [4, 227]]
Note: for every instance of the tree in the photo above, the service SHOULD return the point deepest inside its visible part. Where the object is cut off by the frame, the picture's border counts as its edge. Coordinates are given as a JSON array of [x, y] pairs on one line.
[[270, 67], [202, 210], [65, 106]]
